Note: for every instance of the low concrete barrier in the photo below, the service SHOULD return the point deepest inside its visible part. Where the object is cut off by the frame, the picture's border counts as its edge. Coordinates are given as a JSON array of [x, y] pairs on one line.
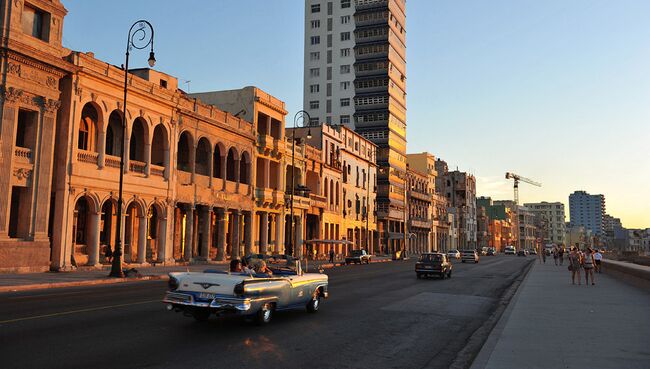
[[634, 274]]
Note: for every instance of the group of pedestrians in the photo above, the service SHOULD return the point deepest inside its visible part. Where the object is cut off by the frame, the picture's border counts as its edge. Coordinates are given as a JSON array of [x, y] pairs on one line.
[[587, 260], [558, 255]]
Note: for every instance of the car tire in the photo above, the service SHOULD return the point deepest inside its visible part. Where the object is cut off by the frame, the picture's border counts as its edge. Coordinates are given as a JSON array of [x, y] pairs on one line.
[[201, 314], [265, 314], [313, 304]]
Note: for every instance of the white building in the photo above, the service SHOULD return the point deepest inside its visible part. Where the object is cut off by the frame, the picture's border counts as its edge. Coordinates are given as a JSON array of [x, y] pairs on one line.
[[553, 214]]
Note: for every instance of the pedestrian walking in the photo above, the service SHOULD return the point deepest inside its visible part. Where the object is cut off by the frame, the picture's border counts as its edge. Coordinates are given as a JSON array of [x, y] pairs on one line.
[[560, 254], [108, 253], [332, 255], [574, 265], [544, 256], [598, 257], [588, 265], [555, 255]]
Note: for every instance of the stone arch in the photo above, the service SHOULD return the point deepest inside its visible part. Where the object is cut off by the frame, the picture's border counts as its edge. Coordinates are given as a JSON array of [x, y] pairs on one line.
[[183, 154], [109, 219], [217, 154], [134, 213], [160, 146], [231, 164], [81, 228], [89, 127], [139, 140], [245, 168], [202, 157], [114, 135]]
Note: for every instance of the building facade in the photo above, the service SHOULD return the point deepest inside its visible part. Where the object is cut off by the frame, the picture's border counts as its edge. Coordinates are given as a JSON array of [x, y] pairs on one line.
[[418, 201], [527, 228], [552, 216], [588, 211], [355, 75], [460, 190]]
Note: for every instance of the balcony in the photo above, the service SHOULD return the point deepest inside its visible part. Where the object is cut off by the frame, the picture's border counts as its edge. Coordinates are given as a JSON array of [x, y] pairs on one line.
[[269, 198], [318, 201], [420, 196], [23, 155], [157, 170], [420, 223], [137, 167], [111, 161]]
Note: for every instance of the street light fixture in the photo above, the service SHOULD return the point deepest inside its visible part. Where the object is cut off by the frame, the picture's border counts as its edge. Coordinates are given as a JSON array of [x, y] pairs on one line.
[[300, 115], [140, 37]]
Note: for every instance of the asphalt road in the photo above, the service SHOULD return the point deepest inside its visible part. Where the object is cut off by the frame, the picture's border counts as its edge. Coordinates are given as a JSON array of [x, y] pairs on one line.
[[377, 316]]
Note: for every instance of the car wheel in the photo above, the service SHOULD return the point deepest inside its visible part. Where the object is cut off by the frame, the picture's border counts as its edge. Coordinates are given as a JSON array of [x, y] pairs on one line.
[[265, 314], [313, 304], [201, 315]]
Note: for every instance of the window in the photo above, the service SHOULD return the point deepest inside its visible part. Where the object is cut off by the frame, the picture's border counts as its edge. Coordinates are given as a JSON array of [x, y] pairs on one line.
[[36, 23], [315, 40], [329, 89], [345, 19], [345, 52], [345, 119], [345, 69], [345, 102], [163, 83], [328, 106], [314, 55], [314, 105], [329, 40], [345, 36], [315, 8], [328, 120], [313, 121], [345, 85], [314, 72], [315, 23], [314, 89], [330, 8], [345, 4]]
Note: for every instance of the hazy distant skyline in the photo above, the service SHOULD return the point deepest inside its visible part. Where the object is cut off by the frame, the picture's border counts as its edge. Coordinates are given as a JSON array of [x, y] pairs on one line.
[[557, 91]]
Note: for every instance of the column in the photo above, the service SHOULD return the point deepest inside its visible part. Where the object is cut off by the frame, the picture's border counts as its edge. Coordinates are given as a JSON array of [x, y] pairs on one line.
[[193, 160], [164, 254], [223, 170], [94, 218], [8, 128], [264, 232], [127, 143], [248, 233], [205, 228], [221, 234], [279, 226], [147, 159], [189, 232], [101, 146], [236, 215], [142, 239], [210, 168], [267, 173], [298, 249]]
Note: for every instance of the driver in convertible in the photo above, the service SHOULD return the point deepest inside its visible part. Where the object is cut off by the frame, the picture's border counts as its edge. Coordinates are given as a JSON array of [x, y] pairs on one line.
[[263, 269]]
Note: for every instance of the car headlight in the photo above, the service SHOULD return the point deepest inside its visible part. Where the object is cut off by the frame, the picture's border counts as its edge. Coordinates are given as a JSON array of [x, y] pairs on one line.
[[173, 283]]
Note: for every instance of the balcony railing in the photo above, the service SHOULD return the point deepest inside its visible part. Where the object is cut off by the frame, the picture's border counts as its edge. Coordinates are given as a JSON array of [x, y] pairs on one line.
[[24, 154], [112, 161], [87, 156], [137, 166], [157, 170]]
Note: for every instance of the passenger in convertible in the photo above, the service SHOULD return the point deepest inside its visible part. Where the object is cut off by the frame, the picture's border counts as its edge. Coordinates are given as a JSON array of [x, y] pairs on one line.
[[248, 269], [235, 266], [263, 269]]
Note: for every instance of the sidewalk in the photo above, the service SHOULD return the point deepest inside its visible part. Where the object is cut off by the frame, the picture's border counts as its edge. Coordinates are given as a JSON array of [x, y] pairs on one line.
[[32, 281], [553, 324]]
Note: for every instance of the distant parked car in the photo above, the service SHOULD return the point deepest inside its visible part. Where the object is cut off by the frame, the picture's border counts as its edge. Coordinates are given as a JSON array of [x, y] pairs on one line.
[[433, 264], [358, 257], [469, 255], [521, 252], [490, 252], [453, 254], [533, 252], [509, 250]]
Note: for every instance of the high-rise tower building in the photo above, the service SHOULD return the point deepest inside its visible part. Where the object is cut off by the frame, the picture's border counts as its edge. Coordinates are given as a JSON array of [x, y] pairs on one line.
[[355, 75], [588, 211]]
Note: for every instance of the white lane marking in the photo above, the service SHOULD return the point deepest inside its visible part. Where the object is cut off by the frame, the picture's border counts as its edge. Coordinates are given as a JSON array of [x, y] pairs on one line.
[[76, 311]]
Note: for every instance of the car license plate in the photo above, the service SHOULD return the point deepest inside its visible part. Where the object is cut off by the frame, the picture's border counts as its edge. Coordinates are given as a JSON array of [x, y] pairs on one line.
[[207, 296], [428, 267]]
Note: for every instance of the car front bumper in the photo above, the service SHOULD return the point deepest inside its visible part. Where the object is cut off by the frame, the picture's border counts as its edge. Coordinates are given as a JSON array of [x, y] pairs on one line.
[[243, 305]]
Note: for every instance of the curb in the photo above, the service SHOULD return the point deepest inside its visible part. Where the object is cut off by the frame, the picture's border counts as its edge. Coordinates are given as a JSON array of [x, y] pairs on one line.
[[477, 351], [92, 282]]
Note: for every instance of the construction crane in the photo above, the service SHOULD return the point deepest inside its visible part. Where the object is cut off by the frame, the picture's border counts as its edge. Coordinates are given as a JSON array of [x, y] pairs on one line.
[[517, 178]]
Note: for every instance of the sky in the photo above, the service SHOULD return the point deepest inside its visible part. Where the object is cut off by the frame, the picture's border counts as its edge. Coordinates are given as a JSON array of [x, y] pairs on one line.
[[557, 91]]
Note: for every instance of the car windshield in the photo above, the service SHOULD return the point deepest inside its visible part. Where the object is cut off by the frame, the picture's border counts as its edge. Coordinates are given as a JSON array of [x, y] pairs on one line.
[[468, 251], [430, 258]]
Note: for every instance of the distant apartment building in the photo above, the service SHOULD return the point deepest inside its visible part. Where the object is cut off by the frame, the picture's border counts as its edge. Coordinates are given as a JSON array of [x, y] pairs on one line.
[[527, 228], [355, 75], [588, 211], [610, 225], [501, 222], [552, 216], [460, 190], [418, 200]]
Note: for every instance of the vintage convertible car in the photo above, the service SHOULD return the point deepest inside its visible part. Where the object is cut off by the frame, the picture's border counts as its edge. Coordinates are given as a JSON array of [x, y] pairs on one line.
[[252, 295]]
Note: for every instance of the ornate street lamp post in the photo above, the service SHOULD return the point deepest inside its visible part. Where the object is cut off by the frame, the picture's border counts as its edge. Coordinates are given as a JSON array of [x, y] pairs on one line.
[[300, 116], [140, 37]]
